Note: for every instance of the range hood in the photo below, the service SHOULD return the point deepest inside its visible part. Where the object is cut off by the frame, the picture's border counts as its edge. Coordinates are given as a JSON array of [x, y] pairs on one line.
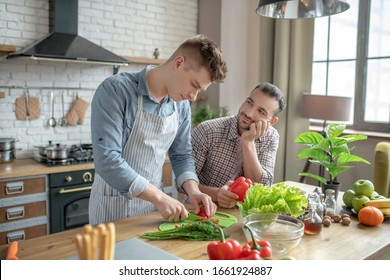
[[64, 44]]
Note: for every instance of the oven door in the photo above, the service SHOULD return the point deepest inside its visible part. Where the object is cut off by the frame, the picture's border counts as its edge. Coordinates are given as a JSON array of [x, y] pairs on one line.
[[69, 207]]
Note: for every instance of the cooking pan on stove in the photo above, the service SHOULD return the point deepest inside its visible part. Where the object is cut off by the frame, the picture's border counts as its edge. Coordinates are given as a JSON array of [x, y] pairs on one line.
[[42, 149], [86, 146], [57, 152]]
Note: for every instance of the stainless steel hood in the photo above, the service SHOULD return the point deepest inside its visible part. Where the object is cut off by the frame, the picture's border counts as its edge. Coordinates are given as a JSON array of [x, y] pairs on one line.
[[64, 44]]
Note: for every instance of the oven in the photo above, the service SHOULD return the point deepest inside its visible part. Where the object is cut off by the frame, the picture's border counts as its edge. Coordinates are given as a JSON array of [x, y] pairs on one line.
[[69, 199]]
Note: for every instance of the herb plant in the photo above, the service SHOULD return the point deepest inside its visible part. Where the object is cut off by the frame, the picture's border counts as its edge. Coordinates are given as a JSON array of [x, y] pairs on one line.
[[330, 151]]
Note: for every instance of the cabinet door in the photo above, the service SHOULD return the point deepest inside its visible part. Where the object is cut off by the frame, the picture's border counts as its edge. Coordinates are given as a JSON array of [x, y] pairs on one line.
[[19, 187]]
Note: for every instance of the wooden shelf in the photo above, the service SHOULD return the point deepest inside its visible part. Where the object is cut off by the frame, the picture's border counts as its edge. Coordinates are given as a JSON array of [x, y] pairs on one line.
[[7, 48], [143, 60]]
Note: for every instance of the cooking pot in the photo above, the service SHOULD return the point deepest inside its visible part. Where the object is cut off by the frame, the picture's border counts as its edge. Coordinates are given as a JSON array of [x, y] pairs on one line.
[[7, 156], [42, 149], [57, 152], [7, 144]]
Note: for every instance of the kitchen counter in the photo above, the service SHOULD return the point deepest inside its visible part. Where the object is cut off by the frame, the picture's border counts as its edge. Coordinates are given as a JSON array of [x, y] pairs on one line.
[[355, 241], [30, 167]]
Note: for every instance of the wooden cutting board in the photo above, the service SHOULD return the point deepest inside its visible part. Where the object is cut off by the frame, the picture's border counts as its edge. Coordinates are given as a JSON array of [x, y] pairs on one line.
[[224, 219]]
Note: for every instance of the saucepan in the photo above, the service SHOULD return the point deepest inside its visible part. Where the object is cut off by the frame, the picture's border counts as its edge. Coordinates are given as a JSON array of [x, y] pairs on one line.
[[57, 152], [7, 144], [42, 149], [7, 156]]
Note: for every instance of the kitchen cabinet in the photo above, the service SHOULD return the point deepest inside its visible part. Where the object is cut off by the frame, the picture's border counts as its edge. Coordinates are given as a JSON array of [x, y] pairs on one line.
[[24, 203]]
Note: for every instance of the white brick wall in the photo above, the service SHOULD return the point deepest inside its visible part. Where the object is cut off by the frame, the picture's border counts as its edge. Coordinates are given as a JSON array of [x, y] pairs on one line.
[[128, 28]]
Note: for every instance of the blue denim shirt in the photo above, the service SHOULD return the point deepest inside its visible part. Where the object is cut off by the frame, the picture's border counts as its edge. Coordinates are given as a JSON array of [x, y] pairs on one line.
[[114, 108]]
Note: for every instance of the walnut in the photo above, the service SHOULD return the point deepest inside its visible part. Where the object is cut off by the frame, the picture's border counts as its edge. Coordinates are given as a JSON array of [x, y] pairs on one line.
[[336, 218], [330, 214], [326, 222], [346, 221], [345, 215]]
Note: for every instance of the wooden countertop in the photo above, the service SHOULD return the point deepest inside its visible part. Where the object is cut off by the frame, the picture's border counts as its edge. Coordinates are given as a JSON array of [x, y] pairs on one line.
[[355, 241], [30, 167]]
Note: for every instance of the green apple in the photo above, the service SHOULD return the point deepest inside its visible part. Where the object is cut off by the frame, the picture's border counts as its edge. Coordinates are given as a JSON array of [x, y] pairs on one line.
[[358, 202], [347, 197], [363, 187], [377, 196]]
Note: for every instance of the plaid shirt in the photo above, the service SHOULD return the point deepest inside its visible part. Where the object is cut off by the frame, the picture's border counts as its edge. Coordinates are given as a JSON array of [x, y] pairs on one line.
[[216, 146]]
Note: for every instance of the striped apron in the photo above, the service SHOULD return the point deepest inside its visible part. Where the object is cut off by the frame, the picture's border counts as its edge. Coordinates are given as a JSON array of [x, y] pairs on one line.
[[145, 151]]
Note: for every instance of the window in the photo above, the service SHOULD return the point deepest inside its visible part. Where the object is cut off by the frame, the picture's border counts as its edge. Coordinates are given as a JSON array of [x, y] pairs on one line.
[[351, 57]]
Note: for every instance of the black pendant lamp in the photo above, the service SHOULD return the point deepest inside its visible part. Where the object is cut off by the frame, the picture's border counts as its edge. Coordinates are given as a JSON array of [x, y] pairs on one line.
[[295, 9]]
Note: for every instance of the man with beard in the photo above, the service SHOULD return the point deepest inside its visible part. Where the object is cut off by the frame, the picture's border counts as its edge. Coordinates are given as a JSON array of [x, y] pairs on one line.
[[241, 145]]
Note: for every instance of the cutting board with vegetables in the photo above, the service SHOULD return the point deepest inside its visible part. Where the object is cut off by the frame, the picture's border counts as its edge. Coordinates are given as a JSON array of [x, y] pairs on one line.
[[224, 219]]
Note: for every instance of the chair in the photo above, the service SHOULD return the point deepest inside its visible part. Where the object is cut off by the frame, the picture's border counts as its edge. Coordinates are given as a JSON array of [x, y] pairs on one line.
[[382, 168]]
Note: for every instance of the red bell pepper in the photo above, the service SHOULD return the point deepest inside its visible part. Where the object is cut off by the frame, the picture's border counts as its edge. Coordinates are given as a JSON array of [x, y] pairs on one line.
[[224, 249], [256, 249], [240, 186], [202, 212]]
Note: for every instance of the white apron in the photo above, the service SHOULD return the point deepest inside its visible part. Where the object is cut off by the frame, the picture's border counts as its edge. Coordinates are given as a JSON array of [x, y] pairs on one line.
[[145, 152]]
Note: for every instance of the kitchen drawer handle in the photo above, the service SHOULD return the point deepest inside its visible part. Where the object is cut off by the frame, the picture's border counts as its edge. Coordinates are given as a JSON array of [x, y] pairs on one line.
[[63, 191], [15, 213], [14, 188], [15, 236]]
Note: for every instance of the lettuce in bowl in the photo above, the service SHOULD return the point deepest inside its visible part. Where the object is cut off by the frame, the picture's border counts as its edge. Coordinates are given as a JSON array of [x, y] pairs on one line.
[[278, 198]]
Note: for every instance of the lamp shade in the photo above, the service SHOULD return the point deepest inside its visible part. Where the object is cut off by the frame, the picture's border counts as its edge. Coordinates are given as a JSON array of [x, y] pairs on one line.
[[294, 9], [325, 107]]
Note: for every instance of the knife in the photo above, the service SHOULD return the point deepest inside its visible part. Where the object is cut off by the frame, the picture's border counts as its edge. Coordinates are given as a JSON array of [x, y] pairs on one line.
[[193, 217]]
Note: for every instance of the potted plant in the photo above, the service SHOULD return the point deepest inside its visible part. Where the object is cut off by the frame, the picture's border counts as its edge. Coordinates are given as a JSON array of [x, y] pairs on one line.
[[207, 113], [330, 150]]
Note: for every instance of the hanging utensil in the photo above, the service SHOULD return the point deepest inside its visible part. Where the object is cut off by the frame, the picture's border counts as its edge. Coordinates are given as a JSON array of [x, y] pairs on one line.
[[62, 121], [52, 120], [27, 105]]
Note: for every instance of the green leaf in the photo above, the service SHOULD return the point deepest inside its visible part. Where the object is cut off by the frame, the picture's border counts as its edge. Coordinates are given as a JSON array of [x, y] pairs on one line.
[[346, 158], [336, 170], [309, 138], [353, 137], [336, 151], [316, 177], [312, 153], [334, 129]]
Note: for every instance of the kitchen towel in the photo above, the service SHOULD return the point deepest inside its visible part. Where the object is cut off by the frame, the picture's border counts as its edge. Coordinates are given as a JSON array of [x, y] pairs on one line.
[[77, 112], [34, 108]]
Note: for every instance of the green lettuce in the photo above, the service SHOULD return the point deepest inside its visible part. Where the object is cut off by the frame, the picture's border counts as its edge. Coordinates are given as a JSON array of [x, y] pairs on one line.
[[278, 198]]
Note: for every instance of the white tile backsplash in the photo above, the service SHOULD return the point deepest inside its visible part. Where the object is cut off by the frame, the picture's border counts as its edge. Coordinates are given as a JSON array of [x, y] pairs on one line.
[[128, 28]]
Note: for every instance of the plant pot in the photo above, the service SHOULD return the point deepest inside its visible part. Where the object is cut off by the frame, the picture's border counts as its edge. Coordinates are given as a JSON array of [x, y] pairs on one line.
[[331, 185]]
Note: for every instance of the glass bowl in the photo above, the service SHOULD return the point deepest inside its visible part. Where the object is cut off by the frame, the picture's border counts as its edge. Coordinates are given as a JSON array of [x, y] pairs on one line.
[[282, 231]]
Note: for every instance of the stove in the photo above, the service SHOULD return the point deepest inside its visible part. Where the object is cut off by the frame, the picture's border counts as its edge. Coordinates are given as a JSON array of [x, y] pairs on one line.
[[77, 154], [69, 191]]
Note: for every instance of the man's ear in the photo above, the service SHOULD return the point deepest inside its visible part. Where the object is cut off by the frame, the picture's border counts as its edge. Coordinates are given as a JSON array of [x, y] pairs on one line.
[[178, 61], [274, 120]]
